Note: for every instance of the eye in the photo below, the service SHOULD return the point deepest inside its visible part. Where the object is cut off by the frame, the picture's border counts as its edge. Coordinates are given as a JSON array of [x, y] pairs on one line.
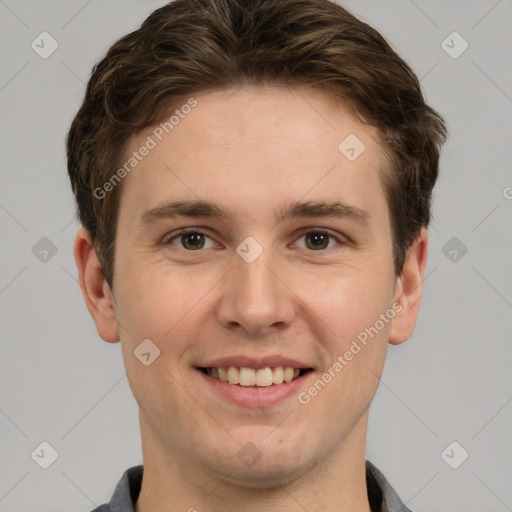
[[319, 239], [191, 240]]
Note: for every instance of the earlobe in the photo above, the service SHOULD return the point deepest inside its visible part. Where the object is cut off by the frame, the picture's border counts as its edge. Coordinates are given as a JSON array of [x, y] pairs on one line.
[[409, 289], [96, 292]]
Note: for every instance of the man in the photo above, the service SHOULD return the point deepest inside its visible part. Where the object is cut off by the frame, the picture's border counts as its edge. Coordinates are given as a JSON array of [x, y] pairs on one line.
[[254, 182]]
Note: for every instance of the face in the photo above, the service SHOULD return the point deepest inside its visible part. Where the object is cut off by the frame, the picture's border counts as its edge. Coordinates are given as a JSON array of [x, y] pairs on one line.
[[278, 273]]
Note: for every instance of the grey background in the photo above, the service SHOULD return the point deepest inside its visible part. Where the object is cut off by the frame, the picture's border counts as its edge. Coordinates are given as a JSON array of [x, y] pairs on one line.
[[60, 383]]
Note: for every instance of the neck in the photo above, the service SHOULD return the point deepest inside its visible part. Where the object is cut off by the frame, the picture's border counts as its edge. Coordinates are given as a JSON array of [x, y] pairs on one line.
[[171, 483]]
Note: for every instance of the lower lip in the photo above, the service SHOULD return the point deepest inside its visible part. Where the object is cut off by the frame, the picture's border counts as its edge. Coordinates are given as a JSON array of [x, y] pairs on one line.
[[256, 396]]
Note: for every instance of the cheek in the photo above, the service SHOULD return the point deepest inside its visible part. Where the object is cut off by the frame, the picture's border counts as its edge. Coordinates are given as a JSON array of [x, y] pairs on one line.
[[348, 300], [354, 347], [169, 307], [160, 306], [155, 298], [355, 337]]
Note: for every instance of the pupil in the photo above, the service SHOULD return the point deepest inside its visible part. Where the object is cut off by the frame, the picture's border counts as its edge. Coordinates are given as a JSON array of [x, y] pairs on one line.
[[193, 240], [318, 239]]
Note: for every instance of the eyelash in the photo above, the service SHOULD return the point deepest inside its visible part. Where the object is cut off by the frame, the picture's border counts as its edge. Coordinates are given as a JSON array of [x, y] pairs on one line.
[[305, 231]]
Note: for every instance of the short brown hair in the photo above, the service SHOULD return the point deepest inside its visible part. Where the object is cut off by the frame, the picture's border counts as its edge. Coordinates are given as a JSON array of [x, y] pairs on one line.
[[193, 46]]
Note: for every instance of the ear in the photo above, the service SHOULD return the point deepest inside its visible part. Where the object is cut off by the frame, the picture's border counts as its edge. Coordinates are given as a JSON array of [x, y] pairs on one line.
[[97, 294], [409, 289]]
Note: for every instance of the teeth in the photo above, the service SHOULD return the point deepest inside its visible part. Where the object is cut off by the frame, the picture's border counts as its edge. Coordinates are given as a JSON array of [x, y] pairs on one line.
[[278, 377], [288, 374], [262, 377], [222, 375], [233, 375], [247, 377]]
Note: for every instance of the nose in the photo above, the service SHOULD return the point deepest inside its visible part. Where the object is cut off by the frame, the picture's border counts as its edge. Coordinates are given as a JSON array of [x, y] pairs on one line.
[[256, 299]]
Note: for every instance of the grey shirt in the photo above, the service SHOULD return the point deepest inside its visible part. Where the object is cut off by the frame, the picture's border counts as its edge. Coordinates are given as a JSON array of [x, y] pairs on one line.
[[381, 495]]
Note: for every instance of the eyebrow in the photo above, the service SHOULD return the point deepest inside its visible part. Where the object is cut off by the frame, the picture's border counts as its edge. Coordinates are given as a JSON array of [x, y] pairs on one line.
[[294, 210]]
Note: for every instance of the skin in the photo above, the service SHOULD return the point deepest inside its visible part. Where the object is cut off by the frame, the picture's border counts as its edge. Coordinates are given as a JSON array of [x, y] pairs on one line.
[[252, 149]]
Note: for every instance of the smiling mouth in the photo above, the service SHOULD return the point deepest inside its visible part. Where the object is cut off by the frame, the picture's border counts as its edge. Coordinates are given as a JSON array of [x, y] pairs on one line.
[[255, 377]]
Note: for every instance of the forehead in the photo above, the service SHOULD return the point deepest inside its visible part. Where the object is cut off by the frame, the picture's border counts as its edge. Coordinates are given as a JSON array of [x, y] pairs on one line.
[[252, 148]]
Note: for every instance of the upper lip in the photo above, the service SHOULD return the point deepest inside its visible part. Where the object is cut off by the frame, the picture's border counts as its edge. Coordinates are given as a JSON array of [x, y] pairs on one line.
[[253, 362]]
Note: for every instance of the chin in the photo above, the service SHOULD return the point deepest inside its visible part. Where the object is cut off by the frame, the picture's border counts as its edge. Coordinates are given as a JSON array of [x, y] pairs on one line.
[[268, 473], [264, 463]]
